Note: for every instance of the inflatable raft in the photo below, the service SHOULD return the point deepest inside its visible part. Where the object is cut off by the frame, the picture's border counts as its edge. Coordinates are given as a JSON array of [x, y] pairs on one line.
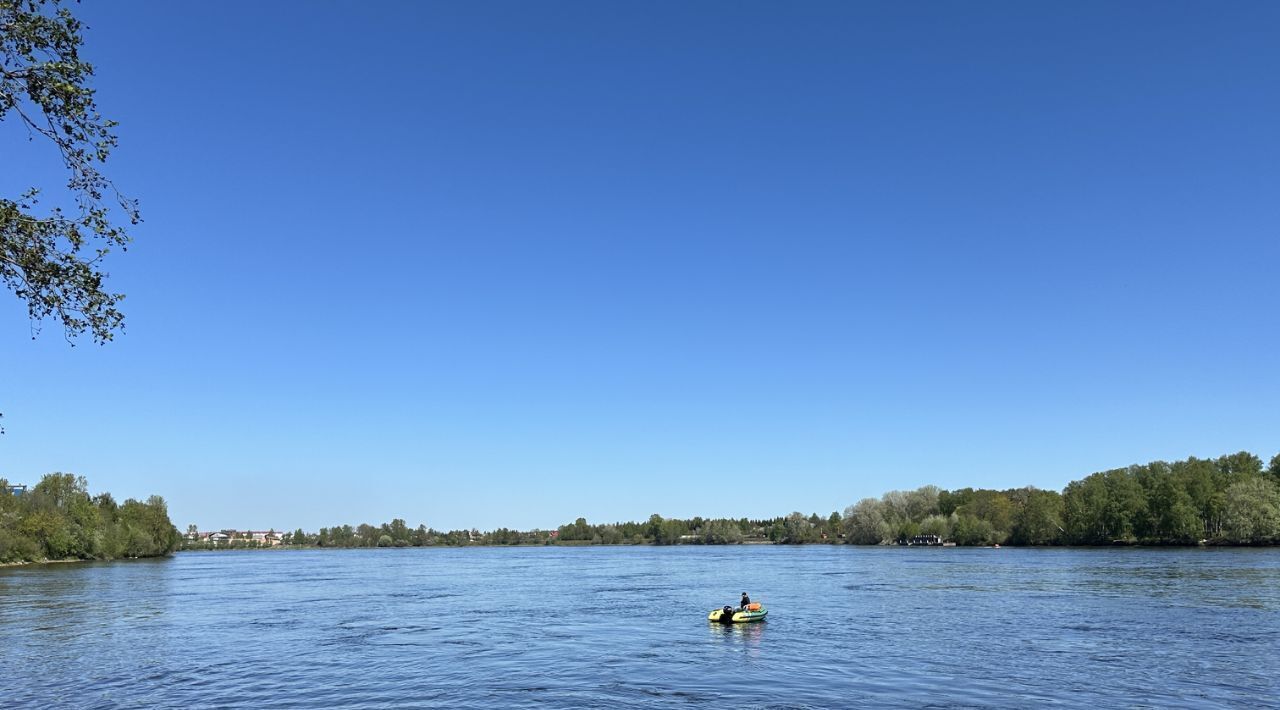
[[730, 615]]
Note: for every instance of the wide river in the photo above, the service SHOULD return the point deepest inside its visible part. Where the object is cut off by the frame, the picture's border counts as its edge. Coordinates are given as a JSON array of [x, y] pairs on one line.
[[625, 627]]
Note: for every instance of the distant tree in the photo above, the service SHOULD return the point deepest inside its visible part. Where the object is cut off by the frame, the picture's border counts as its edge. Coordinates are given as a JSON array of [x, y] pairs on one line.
[[922, 502], [968, 529], [1154, 502], [1239, 465], [864, 522], [398, 530], [1084, 504], [298, 538], [1197, 478], [777, 531], [797, 529], [1173, 514], [1252, 510], [346, 536], [1039, 519], [936, 525], [894, 507], [1126, 505], [671, 532], [722, 532], [949, 501], [611, 535], [993, 507], [58, 519], [653, 530]]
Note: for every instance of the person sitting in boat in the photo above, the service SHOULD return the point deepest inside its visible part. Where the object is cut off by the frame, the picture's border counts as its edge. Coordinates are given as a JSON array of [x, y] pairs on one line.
[[745, 601]]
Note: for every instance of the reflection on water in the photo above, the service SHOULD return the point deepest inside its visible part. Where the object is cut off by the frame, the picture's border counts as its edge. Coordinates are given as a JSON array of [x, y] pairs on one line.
[[743, 636], [627, 627]]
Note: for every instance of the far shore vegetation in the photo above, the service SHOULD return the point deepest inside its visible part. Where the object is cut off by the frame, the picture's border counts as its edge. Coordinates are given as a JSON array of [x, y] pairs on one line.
[[57, 520], [1230, 500]]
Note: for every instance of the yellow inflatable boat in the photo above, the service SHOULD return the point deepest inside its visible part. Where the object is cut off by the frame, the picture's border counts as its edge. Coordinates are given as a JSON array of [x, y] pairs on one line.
[[730, 615]]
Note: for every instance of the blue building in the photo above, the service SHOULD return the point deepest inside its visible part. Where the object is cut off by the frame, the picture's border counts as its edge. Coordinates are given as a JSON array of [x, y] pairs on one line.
[[17, 490]]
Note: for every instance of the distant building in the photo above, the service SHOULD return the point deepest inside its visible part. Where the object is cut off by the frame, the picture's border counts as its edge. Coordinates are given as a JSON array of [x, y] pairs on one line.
[[269, 538], [217, 538], [264, 538], [17, 489]]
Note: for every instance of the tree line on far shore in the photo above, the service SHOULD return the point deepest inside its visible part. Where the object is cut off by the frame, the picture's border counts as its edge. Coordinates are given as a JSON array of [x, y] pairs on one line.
[[57, 519], [1230, 500]]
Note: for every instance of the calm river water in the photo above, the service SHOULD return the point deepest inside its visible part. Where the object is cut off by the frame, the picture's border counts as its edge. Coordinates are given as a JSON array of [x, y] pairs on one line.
[[626, 627]]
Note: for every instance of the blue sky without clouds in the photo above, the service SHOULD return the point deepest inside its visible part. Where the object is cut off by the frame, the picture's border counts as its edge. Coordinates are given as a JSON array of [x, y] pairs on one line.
[[508, 263]]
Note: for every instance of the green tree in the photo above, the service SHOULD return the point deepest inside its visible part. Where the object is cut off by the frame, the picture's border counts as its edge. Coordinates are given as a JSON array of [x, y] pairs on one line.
[[1252, 510], [797, 529], [398, 530], [1039, 519], [365, 536], [1173, 515], [864, 523], [950, 501], [1239, 465], [936, 525], [611, 535], [993, 507], [968, 529], [58, 519], [52, 259], [1084, 504], [1197, 478], [894, 507], [922, 502], [653, 530], [1126, 509], [722, 532], [671, 531]]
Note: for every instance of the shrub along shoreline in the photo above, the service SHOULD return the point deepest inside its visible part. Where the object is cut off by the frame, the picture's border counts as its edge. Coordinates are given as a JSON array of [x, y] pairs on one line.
[[1230, 500], [57, 520]]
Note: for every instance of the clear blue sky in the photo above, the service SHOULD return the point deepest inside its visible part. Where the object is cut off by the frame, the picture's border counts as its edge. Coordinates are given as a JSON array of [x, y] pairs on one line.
[[485, 264]]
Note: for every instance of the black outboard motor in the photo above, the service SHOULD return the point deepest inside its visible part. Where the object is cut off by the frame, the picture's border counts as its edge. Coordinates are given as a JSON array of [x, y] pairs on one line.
[[726, 615]]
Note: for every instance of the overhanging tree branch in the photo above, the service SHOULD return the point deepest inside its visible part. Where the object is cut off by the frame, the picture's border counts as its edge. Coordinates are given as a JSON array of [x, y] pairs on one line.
[[51, 260]]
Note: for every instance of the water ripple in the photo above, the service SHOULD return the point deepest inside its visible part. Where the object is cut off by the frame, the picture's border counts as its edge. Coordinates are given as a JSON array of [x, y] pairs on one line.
[[625, 628]]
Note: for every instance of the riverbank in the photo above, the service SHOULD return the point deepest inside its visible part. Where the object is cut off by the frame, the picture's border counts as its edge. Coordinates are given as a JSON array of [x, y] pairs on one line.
[[1151, 544], [40, 562], [69, 560]]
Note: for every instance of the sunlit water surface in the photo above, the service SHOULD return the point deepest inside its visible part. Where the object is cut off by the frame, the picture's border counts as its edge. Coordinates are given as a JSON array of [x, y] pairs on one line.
[[626, 627]]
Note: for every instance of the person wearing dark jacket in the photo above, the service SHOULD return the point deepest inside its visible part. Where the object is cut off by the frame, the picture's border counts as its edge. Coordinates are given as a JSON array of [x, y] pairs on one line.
[[745, 601]]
